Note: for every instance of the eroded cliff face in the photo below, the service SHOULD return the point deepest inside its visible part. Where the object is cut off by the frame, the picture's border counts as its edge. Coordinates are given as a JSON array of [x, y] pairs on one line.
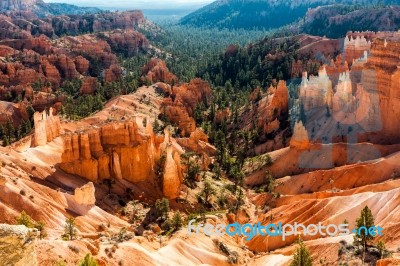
[[156, 71], [89, 85], [64, 24], [363, 98], [127, 150], [47, 128], [117, 150], [299, 139], [267, 115], [33, 55], [316, 91], [17, 245], [17, 4], [355, 45], [381, 77], [181, 103], [197, 142]]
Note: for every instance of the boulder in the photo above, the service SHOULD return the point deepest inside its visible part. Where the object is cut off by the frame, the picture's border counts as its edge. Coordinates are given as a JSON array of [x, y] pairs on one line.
[[85, 195]]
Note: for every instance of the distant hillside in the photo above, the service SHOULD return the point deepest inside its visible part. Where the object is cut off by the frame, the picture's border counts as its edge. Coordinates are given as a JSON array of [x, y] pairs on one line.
[[334, 21], [61, 8], [41, 9], [266, 14]]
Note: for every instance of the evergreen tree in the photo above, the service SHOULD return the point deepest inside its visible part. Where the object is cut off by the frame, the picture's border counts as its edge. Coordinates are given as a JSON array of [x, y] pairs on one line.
[[69, 228], [88, 260], [207, 191], [363, 223], [302, 256], [6, 141], [177, 221], [383, 252], [109, 183], [10, 131], [25, 219], [162, 208], [269, 182]]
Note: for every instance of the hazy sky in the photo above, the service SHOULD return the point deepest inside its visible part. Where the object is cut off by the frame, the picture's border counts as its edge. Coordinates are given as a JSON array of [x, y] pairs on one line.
[[148, 4]]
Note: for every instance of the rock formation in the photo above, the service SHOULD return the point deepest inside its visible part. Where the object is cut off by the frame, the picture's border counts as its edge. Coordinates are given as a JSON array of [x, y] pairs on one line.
[[15, 112], [17, 245], [47, 127], [172, 177], [316, 92], [280, 99], [156, 71], [179, 107], [354, 47], [82, 65], [128, 42], [380, 79], [197, 142], [300, 138], [126, 150], [114, 73], [89, 85], [85, 195]]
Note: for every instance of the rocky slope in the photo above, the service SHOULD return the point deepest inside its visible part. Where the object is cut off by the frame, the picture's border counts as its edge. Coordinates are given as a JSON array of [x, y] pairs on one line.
[[35, 62], [335, 20], [108, 170], [40, 8], [328, 172], [17, 245], [48, 174], [267, 14], [179, 106]]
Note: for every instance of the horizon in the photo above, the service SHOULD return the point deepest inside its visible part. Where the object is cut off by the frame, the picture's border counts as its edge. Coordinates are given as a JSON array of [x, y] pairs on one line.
[[142, 4]]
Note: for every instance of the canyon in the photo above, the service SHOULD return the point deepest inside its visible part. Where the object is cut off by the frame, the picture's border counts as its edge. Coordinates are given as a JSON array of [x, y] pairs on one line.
[[35, 62], [329, 141]]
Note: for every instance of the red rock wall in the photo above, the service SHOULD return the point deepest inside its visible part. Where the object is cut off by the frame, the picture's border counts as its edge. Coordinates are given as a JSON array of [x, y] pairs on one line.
[[156, 71], [122, 151], [179, 107]]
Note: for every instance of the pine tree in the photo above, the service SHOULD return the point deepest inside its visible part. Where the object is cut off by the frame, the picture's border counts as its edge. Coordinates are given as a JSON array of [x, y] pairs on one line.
[[156, 125], [69, 228], [303, 116], [10, 131], [363, 223], [25, 219], [381, 248], [177, 221], [302, 256], [269, 182], [239, 200], [162, 208], [19, 132], [88, 260], [207, 191], [6, 141]]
